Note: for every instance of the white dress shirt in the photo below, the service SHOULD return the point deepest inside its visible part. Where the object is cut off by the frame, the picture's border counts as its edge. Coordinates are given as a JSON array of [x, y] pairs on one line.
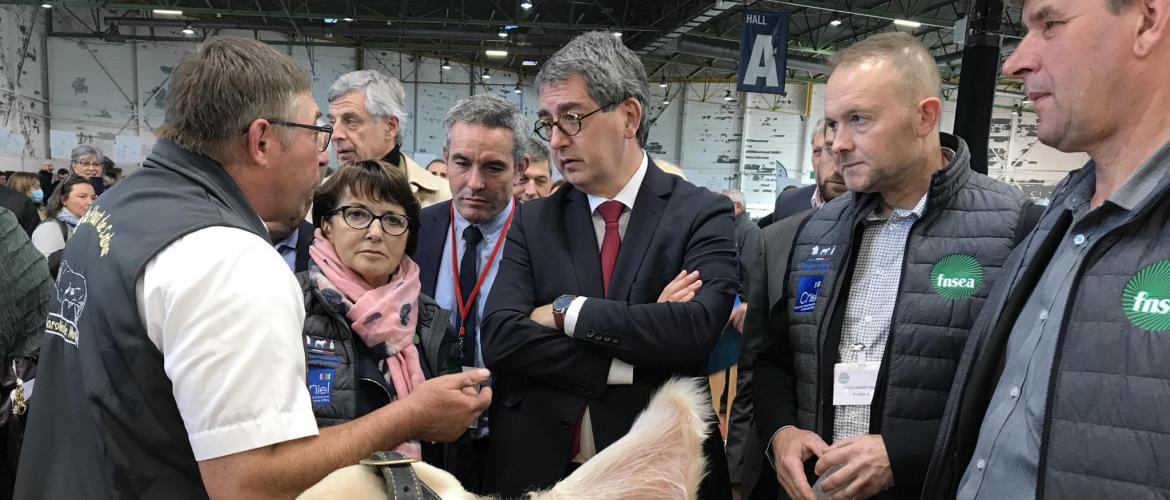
[[620, 372], [227, 314]]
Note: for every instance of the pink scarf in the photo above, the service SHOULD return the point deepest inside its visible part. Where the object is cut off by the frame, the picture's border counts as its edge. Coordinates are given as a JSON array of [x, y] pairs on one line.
[[383, 315]]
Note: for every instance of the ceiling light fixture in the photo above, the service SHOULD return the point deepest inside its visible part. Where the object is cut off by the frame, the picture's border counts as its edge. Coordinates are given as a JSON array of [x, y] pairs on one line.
[[46, 6], [517, 90], [330, 20], [486, 74], [727, 95], [835, 22], [347, 19], [495, 53], [188, 30], [666, 102], [662, 83], [446, 64], [503, 33], [617, 34], [907, 23], [525, 5], [166, 12], [528, 62]]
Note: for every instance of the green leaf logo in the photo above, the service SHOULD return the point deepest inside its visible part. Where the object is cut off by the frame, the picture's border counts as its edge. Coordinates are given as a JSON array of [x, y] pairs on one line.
[[1146, 298], [956, 276]]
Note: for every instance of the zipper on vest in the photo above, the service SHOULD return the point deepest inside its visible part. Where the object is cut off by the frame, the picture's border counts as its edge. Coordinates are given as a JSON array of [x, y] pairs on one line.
[[877, 407], [1054, 375], [824, 408]]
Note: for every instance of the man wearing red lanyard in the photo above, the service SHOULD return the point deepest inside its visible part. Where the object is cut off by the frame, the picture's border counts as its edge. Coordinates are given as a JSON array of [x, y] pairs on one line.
[[461, 241]]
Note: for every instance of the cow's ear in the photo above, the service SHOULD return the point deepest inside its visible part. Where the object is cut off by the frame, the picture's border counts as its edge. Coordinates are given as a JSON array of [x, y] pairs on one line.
[[661, 456]]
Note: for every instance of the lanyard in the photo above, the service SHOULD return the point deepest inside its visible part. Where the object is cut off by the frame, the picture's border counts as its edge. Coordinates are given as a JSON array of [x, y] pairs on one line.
[[465, 308]]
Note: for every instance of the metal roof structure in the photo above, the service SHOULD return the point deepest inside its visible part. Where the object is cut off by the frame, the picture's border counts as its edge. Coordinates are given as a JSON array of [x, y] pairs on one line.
[[677, 39]]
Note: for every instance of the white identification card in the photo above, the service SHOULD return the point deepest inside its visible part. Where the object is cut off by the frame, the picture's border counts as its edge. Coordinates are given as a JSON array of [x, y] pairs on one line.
[[853, 383]]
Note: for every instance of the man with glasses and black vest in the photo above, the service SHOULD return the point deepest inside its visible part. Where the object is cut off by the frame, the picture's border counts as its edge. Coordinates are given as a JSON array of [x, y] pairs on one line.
[[172, 363], [461, 241], [590, 322]]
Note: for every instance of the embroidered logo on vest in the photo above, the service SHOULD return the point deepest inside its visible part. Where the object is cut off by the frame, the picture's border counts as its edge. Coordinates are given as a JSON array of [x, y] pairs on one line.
[[1146, 298], [956, 276]]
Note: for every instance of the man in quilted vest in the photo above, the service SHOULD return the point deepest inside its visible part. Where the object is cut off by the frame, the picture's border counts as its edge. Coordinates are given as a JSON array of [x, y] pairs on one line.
[[1064, 385], [883, 284]]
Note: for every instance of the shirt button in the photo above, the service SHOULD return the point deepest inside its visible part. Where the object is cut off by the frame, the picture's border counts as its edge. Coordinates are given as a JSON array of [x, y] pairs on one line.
[[1079, 240], [868, 318], [1014, 392], [981, 464], [1043, 315]]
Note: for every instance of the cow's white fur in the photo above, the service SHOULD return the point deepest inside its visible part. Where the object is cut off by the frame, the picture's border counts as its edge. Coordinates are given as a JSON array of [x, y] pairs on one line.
[[660, 458]]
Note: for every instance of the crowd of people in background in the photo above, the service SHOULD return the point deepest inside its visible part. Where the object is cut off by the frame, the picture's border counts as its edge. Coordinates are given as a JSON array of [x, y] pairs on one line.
[[238, 318]]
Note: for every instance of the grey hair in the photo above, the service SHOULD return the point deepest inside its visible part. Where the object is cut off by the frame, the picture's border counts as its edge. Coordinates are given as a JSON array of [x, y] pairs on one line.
[[492, 111], [385, 96], [818, 130], [537, 152], [736, 196], [83, 150], [612, 73]]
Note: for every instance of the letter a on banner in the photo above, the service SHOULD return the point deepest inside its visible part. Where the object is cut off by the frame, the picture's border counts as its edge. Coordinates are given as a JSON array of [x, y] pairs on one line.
[[763, 52]]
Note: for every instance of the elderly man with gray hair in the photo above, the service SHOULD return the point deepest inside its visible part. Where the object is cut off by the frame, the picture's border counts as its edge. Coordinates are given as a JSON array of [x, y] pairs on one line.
[[367, 111], [603, 303]]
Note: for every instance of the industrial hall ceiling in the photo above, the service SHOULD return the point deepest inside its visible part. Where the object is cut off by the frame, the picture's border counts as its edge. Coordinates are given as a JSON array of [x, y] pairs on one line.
[[694, 40]]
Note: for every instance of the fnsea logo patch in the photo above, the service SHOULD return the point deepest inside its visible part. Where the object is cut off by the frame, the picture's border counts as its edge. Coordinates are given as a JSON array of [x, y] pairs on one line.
[[956, 276], [1146, 298]]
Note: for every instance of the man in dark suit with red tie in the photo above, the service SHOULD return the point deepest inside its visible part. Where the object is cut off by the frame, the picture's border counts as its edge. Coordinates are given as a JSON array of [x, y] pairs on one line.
[[597, 302]]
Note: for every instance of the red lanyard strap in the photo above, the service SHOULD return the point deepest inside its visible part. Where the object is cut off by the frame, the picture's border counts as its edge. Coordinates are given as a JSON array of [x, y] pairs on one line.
[[465, 308]]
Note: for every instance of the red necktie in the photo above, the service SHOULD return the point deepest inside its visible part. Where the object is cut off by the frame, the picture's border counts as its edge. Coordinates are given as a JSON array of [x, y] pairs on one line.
[[610, 212]]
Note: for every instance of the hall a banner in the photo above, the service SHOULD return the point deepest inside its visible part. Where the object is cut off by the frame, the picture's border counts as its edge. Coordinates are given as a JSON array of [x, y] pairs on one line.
[[763, 52]]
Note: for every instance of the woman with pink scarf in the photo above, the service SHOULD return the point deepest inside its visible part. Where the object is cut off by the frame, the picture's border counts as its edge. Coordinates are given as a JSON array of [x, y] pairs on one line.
[[370, 335]]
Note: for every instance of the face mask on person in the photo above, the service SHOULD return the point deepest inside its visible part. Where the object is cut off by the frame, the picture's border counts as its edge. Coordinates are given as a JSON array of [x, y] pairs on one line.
[[37, 196]]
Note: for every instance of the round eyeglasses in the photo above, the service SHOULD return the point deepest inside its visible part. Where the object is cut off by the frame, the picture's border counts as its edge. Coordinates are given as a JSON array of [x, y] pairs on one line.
[[360, 218], [568, 123]]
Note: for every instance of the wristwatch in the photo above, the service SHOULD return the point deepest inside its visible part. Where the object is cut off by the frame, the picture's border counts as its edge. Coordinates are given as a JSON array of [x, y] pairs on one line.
[[560, 307]]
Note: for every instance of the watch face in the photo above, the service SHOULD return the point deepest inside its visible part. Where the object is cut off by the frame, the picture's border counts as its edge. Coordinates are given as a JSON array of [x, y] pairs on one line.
[[562, 302]]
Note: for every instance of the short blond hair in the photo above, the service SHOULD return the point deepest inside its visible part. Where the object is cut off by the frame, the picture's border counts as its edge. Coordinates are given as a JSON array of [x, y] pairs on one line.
[[916, 67]]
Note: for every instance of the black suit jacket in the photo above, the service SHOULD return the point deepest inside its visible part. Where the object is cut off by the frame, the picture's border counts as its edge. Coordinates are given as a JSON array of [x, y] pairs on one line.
[[304, 241], [543, 379], [434, 227], [793, 202]]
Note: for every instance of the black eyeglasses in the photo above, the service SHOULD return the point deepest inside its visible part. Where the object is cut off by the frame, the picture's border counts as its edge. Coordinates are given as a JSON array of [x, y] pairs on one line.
[[324, 132], [569, 123], [359, 218]]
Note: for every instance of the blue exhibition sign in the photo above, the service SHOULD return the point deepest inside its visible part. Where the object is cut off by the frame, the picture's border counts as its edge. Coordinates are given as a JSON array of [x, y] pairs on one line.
[[763, 52]]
